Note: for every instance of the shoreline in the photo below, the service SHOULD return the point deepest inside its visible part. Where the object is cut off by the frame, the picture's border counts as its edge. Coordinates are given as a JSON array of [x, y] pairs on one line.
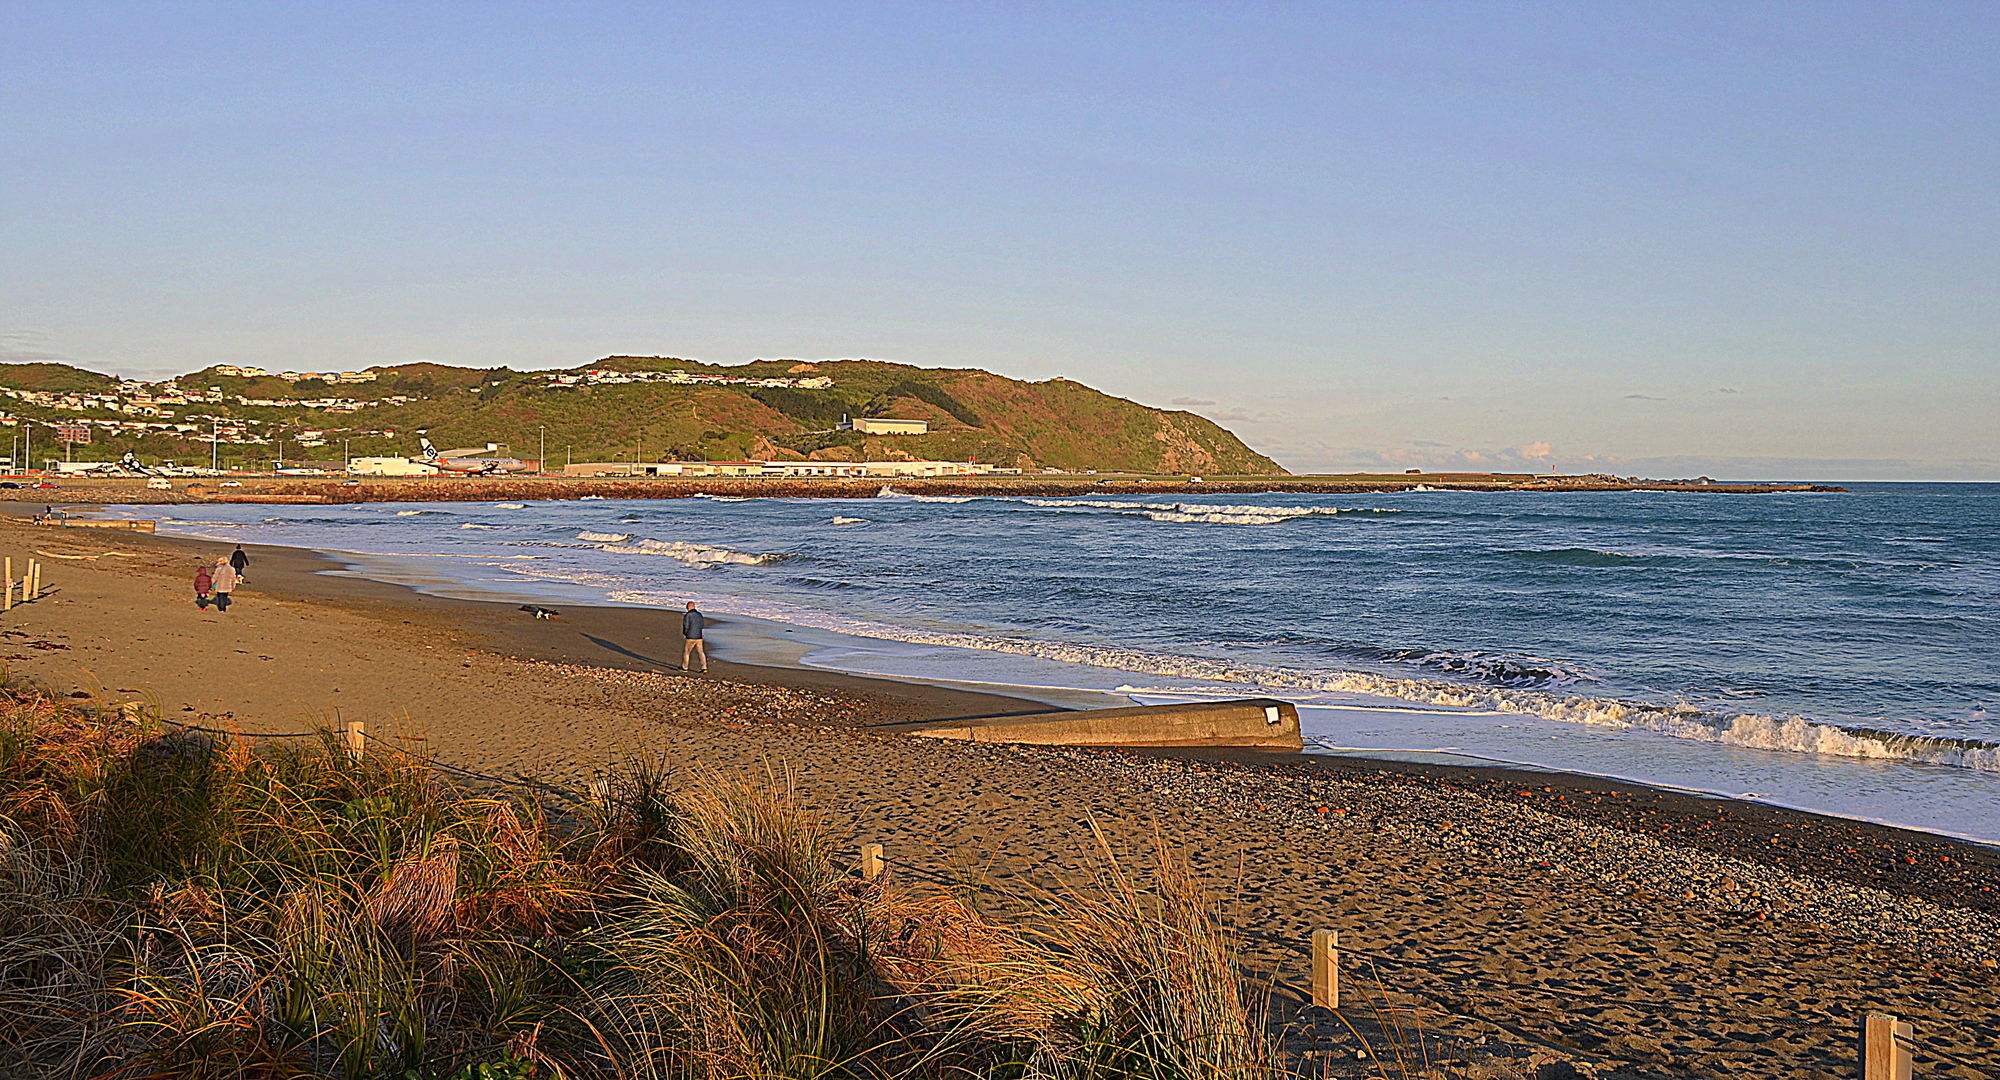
[[854, 649], [1596, 887], [337, 490], [588, 634]]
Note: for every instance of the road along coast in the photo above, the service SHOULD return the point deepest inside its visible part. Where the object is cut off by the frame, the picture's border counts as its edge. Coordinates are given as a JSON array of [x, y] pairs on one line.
[[1635, 932]]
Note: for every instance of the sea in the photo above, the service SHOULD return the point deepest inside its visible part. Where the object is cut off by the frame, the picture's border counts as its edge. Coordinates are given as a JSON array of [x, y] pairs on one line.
[[1835, 652]]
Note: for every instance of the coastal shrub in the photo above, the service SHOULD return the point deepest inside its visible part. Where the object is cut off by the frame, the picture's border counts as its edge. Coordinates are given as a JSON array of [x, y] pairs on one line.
[[178, 903]]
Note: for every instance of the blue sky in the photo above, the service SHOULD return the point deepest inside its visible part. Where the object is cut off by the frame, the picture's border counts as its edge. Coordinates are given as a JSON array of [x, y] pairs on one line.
[[1741, 239]]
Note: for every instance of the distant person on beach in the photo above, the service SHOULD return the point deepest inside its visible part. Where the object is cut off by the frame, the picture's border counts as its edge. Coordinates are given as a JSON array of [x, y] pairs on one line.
[[224, 582], [204, 586], [691, 629], [239, 561]]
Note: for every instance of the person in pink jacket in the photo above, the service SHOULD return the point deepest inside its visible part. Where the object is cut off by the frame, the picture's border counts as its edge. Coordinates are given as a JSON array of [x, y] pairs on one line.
[[204, 586], [224, 581]]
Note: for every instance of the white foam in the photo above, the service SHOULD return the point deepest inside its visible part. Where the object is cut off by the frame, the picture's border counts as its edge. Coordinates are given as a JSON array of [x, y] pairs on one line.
[[848, 521], [476, 525], [1200, 513], [603, 538], [510, 506], [695, 554], [892, 493]]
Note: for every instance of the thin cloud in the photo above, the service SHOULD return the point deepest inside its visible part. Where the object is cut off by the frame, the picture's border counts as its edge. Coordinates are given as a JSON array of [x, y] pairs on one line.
[[1643, 397], [1189, 402], [27, 347], [1727, 390]]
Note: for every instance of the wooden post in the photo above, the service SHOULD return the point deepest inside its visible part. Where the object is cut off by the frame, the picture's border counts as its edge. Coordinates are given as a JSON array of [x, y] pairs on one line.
[[357, 739], [1326, 968], [1885, 1055], [10, 584], [871, 861]]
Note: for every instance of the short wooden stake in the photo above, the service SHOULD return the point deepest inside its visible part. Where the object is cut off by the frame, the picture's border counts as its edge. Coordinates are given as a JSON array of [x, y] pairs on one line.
[[871, 861], [357, 739], [10, 584], [1326, 968], [1885, 1049]]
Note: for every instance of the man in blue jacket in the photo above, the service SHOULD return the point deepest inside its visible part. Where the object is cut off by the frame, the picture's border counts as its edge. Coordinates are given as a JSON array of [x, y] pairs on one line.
[[691, 628]]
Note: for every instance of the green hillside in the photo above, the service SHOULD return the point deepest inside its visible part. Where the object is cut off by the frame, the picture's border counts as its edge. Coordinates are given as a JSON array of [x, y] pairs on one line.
[[973, 415]]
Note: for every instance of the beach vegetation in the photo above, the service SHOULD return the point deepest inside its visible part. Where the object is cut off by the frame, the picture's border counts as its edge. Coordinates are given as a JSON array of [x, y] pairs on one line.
[[179, 902]]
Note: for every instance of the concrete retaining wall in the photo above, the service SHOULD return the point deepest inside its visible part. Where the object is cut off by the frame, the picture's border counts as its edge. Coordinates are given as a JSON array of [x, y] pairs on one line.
[[1261, 723]]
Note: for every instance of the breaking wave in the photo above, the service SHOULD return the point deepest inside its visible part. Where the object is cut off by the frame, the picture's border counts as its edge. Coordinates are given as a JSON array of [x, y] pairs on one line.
[[695, 554], [1788, 734], [1500, 669], [849, 521], [476, 525], [892, 493], [603, 538], [1201, 513]]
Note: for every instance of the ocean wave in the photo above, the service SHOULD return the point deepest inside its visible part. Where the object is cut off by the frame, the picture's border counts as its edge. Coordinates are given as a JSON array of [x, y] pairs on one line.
[[476, 525], [1785, 734], [510, 506], [603, 538], [720, 498], [838, 520], [1500, 669], [1202, 513], [696, 554], [416, 513], [1585, 556], [892, 493]]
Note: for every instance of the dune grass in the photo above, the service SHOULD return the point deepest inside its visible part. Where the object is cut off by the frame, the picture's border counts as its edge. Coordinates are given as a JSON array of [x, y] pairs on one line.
[[183, 904]]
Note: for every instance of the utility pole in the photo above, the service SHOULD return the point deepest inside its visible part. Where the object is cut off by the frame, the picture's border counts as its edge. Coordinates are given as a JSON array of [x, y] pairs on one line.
[[542, 459], [215, 445], [346, 459]]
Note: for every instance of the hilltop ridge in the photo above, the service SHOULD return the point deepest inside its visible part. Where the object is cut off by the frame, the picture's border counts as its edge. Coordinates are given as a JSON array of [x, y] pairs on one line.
[[628, 408]]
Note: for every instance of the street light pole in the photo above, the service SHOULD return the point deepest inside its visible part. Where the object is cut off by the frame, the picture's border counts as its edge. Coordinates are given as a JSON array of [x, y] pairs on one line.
[[215, 445], [542, 460]]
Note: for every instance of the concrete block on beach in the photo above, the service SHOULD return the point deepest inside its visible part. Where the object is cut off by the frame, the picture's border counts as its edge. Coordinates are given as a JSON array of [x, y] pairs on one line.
[[1258, 723]]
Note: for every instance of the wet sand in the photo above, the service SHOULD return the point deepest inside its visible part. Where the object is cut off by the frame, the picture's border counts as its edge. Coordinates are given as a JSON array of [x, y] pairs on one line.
[[1702, 932]]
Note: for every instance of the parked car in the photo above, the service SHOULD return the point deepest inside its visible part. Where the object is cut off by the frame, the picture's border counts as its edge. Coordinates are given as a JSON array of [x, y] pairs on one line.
[[232, 483], [350, 483], [10, 485], [45, 484], [159, 484]]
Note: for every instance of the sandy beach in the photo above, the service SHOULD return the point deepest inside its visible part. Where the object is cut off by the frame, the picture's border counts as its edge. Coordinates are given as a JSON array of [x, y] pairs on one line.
[[1622, 930]]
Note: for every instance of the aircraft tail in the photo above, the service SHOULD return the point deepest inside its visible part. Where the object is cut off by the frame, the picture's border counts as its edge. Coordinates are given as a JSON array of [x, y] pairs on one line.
[[430, 450]]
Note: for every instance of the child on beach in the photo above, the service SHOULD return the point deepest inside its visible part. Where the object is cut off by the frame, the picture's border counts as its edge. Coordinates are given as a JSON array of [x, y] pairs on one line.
[[224, 582], [204, 585]]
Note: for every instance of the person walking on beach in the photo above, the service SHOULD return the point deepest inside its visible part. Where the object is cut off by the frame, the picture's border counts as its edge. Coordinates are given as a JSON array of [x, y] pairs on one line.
[[239, 561], [224, 582], [691, 631], [204, 586]]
